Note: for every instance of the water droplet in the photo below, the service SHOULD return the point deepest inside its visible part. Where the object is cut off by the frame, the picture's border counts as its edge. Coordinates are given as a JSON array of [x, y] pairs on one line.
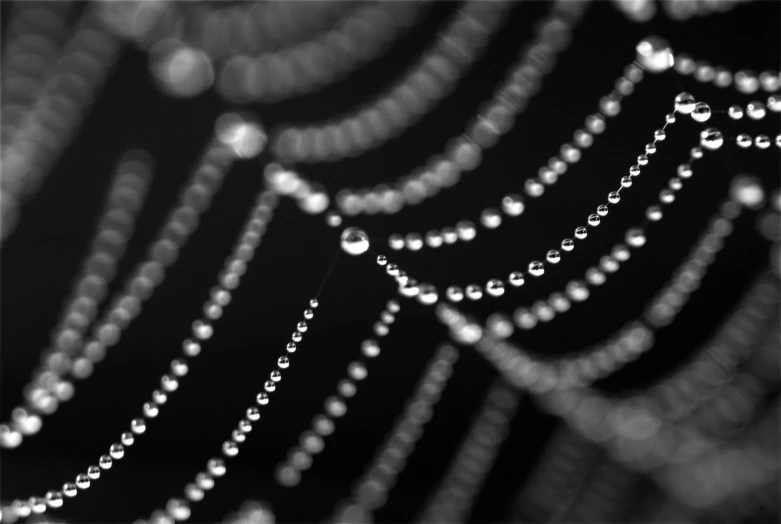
[[495, 287], [701, 112], [105, 461], [684, 103], [711, 139], [428, 294], [216, 467], [635, 237], [455, 294], [474, 292], [536, 268], [82, 481], [355, 241], [138, 426], [54, 499], [335, 407], [230, 448], [755, 110], [370, 348]]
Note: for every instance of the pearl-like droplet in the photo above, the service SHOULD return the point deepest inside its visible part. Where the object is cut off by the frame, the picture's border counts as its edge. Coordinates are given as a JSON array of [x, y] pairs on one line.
[[216, 467], [427, 294], [701, 112], [756, 110], [495, 287], [635, 237], [69, 489], [711, 138], [355, 241], [516, 279], [684, 103], [536, 268], [454, 294]]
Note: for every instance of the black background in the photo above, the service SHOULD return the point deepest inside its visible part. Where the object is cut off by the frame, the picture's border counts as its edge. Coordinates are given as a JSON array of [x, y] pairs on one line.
[[44, 254]]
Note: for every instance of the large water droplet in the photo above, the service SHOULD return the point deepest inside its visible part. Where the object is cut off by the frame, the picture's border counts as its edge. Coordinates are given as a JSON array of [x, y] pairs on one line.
[[355, 241]]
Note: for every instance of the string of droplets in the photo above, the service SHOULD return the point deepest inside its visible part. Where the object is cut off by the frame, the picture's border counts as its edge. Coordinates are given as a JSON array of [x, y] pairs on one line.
[[115, 227], [311, 442], [453, 498], [178, 509], [236, 265], [512, 204], [632, 446], [710, 139], [433, 76], [462, 154], [370, 493], [75, 355], [50, 124], [558, 477], [637, 337]]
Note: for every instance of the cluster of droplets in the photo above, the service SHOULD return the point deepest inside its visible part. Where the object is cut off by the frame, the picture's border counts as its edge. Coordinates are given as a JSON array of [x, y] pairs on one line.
[[756, 110], [711, 138], [178, 509], [513, 205], [685, 104], [312, 441], [371, 491], [47, 388], [434, 75], [202, 330]]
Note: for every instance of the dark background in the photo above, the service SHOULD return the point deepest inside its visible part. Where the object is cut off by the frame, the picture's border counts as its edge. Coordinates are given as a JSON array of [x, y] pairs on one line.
[[44, 254]]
